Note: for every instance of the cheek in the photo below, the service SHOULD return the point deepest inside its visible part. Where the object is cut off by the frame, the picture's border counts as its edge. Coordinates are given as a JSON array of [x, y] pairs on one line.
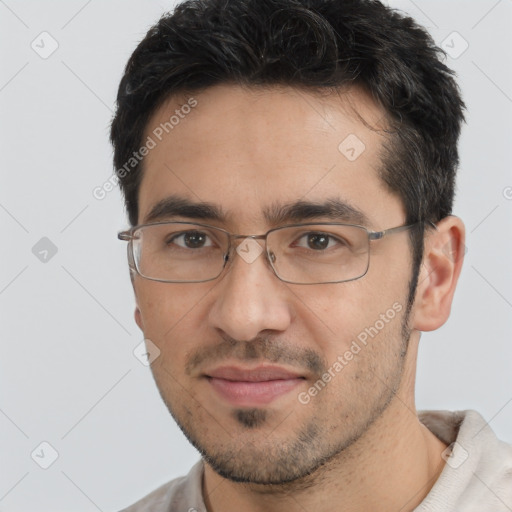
[[338, 309], [338, 315], [164, 306]]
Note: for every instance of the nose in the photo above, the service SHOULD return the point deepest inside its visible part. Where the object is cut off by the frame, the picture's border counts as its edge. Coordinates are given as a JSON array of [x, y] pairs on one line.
[[250, 298]]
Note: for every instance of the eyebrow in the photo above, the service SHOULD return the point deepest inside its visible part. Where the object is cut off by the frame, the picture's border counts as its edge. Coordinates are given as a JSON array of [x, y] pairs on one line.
[[174, 206], [333, 209]]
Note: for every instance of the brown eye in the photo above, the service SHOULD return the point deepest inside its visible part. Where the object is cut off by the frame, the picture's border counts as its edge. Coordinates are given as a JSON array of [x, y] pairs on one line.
[[191, 240], [318, 241]]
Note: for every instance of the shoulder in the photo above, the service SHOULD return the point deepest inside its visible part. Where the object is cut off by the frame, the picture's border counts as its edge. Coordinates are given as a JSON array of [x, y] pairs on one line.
[[478, 471], [182, 494]]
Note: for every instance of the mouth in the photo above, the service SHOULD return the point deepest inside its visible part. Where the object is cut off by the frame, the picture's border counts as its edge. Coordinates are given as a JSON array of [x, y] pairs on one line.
[[246, 387]]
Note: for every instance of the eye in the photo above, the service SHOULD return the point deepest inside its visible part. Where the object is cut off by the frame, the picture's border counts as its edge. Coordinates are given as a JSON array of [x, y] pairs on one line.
[[191, 240], [318, 241]]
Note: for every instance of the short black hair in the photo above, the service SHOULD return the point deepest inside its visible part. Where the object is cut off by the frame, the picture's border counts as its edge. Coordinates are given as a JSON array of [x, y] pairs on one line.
[[309, 44]]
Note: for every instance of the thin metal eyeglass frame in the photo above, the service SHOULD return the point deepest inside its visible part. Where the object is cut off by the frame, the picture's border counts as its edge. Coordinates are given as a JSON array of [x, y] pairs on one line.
[[128, 236]]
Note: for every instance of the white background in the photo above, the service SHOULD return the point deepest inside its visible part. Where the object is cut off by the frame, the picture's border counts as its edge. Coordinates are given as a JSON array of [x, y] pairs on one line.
[[67, 372]]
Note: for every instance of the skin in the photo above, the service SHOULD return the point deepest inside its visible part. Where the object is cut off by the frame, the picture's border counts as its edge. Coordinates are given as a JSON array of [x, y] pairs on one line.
[[358, 441]]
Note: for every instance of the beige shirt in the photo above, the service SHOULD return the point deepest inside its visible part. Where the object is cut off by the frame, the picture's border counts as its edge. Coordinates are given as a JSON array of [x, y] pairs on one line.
[[477, 476]]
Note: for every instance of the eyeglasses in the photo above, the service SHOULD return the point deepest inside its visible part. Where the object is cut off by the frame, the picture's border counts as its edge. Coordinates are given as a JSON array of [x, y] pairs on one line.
[[187, 252]]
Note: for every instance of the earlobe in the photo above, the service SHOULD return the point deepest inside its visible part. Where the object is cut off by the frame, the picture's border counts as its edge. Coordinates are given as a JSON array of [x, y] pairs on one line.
[[442, 263]]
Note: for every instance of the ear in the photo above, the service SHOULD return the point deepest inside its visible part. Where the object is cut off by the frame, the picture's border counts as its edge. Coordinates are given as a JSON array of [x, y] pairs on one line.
[[444, 251], [137, 313], [138, 318]]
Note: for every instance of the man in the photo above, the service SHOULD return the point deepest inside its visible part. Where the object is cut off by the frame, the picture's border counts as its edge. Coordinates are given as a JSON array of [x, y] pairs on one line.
[[288, 168]]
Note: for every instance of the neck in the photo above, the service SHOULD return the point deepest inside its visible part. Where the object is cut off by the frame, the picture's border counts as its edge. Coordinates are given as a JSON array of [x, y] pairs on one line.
[[391, 467]]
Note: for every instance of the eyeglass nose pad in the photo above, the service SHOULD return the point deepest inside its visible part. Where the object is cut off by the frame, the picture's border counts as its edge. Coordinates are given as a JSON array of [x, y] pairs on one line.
[[272, 256]]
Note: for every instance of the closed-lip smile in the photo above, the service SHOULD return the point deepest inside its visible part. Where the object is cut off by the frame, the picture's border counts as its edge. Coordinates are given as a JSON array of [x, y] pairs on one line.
[[251, 387]]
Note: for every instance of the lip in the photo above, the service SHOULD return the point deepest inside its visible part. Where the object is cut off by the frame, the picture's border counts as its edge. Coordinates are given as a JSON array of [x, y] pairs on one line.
[[249, 387]]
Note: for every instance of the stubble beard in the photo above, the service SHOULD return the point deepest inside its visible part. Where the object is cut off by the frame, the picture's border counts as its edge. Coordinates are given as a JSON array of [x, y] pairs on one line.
[[298, 461]]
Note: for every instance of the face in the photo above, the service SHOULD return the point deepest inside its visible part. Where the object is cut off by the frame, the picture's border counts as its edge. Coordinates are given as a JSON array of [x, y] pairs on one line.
[[269, 380]]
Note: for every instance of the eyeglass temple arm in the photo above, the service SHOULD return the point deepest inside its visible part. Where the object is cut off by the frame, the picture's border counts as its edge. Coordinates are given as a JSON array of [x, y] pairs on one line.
[[377, 235], [125, 236]]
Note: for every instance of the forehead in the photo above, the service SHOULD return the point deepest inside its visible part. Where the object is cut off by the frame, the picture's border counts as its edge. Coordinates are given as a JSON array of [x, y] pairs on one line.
[[248, 149]]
